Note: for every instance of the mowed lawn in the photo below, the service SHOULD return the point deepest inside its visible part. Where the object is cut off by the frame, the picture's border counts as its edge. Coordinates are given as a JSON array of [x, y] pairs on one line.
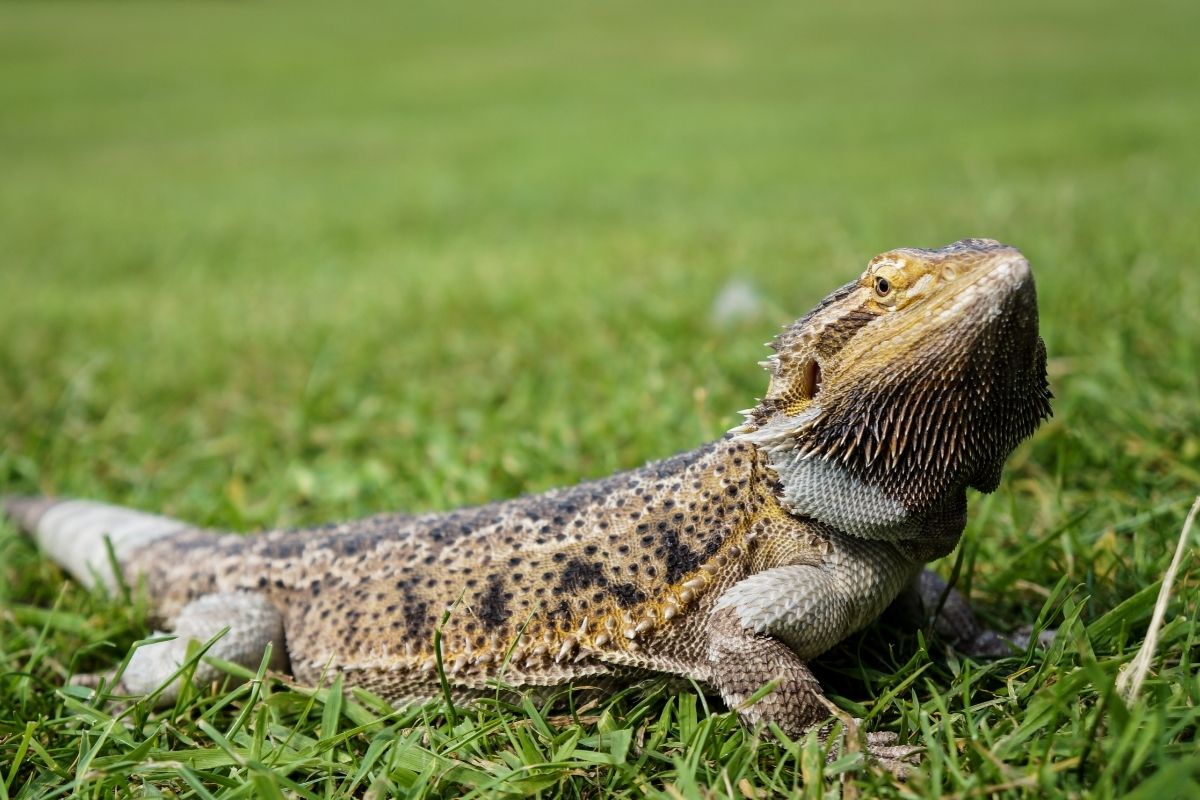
[[269, 264]]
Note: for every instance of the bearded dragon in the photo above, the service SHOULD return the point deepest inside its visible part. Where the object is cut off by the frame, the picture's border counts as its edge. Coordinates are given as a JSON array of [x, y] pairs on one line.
[[734, 564]]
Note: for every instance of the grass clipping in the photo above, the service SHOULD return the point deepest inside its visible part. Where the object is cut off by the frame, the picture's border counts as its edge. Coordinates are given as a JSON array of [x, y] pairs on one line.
[[1129, 682]]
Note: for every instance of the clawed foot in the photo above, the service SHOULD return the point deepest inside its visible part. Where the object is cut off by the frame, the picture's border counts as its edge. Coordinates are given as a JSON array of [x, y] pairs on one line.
[[990, 644], [954, 620], [879, 747], [883, 748]]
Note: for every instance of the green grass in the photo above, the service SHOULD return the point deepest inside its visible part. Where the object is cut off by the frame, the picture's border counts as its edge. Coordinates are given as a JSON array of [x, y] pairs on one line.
[[265, 264]]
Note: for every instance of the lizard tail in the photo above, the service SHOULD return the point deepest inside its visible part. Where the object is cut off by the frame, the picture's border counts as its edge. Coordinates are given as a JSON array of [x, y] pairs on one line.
[[77, 533]]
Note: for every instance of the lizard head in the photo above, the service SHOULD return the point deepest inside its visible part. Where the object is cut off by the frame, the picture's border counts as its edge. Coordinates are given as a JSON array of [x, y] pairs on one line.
[[904, 387]]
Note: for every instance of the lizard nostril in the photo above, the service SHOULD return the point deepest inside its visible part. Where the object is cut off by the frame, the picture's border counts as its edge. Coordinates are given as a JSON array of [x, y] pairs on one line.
[[949, 272]]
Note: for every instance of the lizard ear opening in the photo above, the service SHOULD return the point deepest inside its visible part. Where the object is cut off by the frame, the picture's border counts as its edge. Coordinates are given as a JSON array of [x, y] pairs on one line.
[[791, 403], [810, 381]]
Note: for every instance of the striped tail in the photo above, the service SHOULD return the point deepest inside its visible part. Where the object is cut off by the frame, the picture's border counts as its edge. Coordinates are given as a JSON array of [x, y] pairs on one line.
[[75, 533]]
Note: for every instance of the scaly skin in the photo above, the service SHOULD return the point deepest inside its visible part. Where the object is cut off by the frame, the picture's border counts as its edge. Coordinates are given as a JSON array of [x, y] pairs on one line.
[[733, 564]]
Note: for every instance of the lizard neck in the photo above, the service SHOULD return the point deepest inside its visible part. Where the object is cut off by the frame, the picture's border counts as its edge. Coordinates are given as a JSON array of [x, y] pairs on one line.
[[814, 487]]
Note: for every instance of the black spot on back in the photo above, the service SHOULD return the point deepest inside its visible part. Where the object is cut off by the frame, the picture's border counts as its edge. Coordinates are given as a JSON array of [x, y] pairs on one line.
[[678, 558], [627, 594], [493, 610], [578, 575]]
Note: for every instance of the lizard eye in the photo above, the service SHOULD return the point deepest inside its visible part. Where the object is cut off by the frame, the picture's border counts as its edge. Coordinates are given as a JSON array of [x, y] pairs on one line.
[[882, 286]]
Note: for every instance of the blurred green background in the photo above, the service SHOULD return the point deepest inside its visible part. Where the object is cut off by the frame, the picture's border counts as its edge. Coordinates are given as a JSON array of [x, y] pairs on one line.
[[263, 263], [270, 263]]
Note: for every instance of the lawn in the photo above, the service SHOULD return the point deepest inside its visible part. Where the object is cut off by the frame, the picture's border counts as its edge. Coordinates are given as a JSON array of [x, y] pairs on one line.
[[269, 264]]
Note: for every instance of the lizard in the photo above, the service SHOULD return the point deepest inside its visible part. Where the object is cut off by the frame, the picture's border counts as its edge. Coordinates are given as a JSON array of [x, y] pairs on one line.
[[734, 565]]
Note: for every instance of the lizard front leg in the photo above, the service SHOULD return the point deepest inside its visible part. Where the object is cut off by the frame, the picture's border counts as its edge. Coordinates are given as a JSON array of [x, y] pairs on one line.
[[764, 627], [741, 662], [929, 599], [252, 621]]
